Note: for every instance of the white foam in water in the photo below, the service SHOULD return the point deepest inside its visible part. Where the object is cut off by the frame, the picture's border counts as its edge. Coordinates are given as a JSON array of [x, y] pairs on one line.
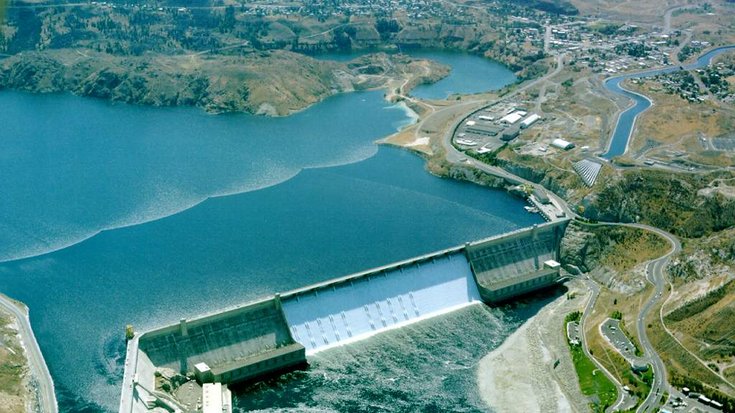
[[166, 200], [346, 312], [411, 116]]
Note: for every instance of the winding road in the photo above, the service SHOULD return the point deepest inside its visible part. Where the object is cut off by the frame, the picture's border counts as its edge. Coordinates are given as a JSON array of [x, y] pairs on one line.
[[667, 16], [36, 363], [655, 268], [655, 275]]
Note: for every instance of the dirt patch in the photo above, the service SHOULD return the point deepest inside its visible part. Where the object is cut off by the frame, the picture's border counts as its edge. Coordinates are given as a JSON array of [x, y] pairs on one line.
[[14, 394], [523, 373]]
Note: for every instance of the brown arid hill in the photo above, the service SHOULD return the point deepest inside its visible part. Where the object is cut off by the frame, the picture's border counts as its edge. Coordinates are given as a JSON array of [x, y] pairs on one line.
[[274, 83]]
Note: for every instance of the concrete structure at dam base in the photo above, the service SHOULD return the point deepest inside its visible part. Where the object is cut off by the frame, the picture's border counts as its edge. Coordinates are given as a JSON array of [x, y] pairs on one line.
[[187, 366]]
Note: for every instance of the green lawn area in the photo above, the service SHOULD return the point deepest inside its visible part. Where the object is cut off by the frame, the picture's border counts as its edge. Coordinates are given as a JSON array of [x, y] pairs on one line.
[[640, 384], [592, 381]]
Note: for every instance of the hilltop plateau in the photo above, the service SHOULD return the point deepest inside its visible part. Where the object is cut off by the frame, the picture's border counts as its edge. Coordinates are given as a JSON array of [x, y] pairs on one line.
[[227, 56]]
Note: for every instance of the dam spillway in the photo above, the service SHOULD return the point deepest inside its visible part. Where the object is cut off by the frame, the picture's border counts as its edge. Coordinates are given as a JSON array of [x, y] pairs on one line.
[[278, 333], [356, 307]]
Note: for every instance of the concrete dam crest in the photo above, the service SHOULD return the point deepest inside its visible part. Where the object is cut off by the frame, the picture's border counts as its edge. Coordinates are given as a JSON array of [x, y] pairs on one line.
[[278, 333]]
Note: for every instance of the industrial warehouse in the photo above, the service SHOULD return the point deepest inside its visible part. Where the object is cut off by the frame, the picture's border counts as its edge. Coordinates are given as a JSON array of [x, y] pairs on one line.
[[490, 128]]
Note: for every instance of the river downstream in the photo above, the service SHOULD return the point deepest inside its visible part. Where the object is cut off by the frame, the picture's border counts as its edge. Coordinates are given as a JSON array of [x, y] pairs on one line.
[[115, 214]]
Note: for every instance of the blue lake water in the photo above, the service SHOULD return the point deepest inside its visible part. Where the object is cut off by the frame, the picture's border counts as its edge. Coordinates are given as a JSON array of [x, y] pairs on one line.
[[465, 78], [138, 215], [470, 73], [626, 121]]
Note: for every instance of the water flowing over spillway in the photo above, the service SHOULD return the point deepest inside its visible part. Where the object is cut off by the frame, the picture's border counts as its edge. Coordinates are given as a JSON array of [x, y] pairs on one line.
[[272, 335], [323, 318]]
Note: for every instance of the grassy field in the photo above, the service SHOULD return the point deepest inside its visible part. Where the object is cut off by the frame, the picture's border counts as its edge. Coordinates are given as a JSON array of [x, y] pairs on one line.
[[592, 381], [629, 305], [729, 373], [705, 325], [678, 361], [627, 247], [674, 124]]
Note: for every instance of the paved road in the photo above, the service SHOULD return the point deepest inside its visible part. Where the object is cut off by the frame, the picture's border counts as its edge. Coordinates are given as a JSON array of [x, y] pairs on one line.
[[655, 272], [655, 275], [454, 155], [655, 268], [667, 16], [35, 359]]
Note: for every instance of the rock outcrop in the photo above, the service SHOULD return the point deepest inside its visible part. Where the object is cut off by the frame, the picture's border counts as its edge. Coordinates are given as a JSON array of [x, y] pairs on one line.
[[274, 83]]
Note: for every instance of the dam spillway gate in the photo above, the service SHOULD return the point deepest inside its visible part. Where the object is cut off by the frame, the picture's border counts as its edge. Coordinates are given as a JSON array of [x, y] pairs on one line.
[[278, 333]]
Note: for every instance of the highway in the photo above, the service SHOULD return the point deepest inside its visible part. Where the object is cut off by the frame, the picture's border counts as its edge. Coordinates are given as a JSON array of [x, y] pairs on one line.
[[623, 401], [36, 363]]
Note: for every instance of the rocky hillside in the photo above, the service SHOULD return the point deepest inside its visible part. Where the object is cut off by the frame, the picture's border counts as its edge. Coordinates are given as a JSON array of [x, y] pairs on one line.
[[683, 204], [272, 83], [609, 248]]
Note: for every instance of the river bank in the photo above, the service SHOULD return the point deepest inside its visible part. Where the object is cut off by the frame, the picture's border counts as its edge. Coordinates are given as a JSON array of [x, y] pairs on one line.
[[271, 83], [523, 375], [25, 385], [626, 122], [298, 218]]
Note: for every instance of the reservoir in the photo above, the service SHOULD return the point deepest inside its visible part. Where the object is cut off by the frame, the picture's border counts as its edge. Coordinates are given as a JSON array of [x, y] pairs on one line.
[[626, 121], [464, 77], [470, 73], [115, 214]]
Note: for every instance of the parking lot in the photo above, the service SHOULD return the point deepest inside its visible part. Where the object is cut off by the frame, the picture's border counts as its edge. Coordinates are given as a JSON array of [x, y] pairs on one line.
[[573, 333], [611, 330], [680, 403]]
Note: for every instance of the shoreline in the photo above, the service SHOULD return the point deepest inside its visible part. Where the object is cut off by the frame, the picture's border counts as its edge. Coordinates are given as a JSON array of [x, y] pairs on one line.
[[107, 77], [521, 375], [40, 392]]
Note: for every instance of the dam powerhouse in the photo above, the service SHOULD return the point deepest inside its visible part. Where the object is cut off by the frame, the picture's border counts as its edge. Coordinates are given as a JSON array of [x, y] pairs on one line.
[[186, 367]]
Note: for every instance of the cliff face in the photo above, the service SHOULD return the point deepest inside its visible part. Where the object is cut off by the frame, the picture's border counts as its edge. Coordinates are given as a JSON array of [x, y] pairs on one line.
[[273, 83], [580, 248]]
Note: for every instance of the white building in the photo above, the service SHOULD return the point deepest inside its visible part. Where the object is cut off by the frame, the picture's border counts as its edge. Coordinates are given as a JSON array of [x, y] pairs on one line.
[[511, 118], [216, 398], [530, 120], [562, 144]]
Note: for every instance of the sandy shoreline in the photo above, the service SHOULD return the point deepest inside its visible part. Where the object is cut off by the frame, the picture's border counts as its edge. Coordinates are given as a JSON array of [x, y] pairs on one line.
[[519, 376]]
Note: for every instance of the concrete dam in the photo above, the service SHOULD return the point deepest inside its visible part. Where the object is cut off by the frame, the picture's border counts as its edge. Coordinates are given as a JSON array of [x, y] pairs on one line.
[[277, 334]]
